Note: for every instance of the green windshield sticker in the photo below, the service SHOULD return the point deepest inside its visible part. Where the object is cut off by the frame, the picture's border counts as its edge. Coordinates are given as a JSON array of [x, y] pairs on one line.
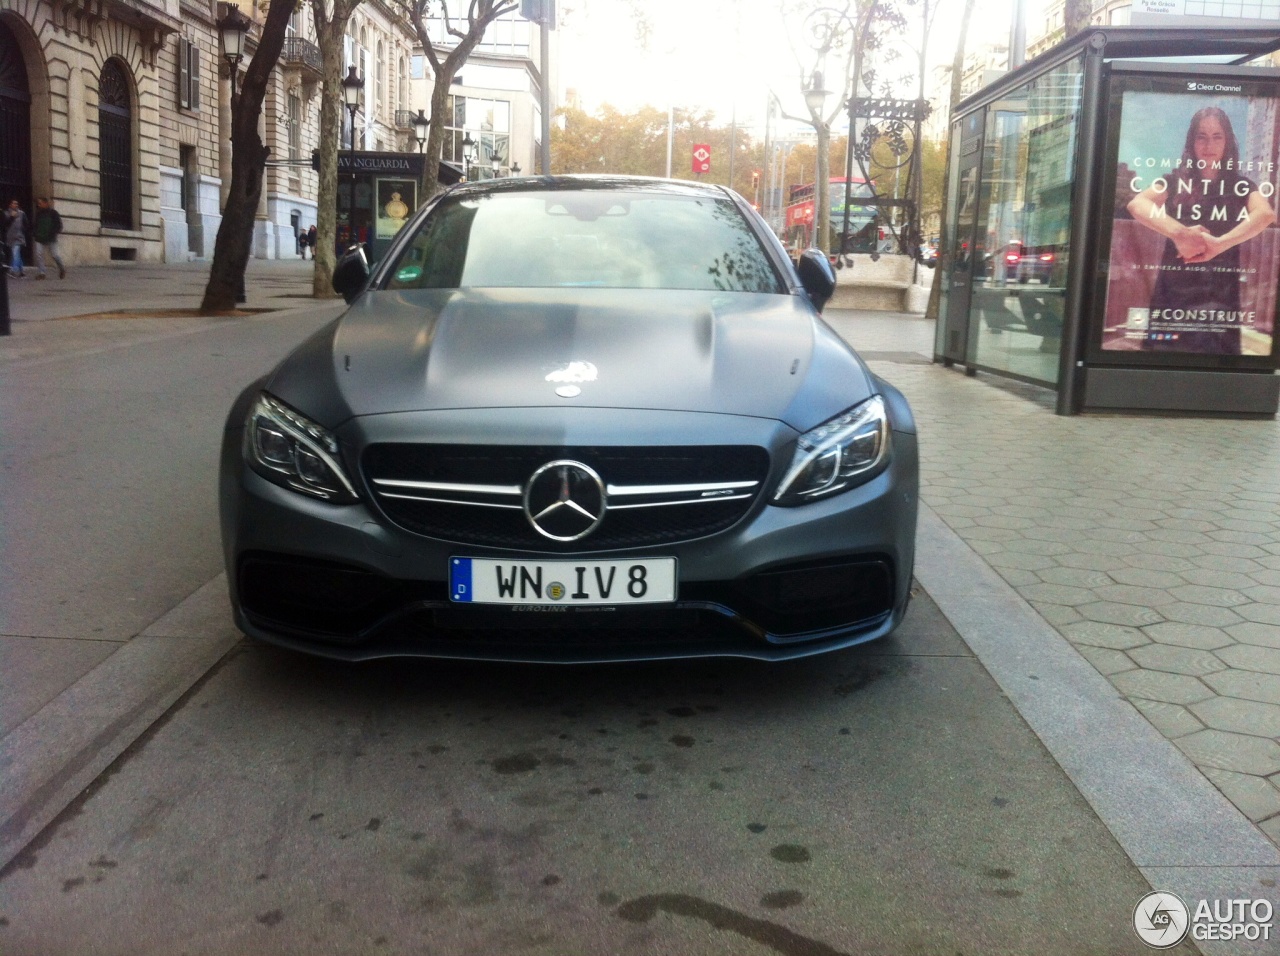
[[409, 273]]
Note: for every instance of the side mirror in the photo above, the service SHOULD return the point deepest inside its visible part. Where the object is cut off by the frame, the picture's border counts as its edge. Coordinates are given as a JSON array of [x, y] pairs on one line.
[[817, 276], [351, 274]]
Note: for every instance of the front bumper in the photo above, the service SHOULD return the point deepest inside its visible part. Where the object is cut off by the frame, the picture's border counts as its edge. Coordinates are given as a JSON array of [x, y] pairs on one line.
[[344, 582]]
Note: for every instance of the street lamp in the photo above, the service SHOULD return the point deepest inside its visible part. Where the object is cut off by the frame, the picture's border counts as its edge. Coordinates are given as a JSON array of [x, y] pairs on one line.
[[352, 85], [816, 95], [515, 169], [232, 27], [421, 128], [468, 154], [495, 160]]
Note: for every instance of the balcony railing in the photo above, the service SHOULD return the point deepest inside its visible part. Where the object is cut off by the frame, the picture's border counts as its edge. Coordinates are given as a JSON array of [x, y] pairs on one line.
[[300, 53], [404, 119]]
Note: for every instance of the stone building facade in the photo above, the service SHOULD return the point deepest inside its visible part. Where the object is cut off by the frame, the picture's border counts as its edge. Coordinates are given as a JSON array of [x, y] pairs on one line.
[[120, 111]]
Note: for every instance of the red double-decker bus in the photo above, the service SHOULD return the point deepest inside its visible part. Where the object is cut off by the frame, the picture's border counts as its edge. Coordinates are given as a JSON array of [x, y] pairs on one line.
[[864, 234]]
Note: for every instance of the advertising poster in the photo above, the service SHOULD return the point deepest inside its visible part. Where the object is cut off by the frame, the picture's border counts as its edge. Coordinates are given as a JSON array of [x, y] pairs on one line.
[[396, 200], [1195, 251]]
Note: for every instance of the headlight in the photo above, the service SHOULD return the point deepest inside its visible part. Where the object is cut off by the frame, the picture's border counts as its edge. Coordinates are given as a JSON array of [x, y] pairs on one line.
[[837, 455], [288, 448]]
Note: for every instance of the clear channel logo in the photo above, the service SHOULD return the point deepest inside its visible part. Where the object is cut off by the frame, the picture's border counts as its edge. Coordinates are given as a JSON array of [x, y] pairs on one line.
[[1161, 920]]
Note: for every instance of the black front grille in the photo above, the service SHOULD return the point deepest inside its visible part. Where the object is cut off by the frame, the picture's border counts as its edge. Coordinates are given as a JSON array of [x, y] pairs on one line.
[[488, 523]]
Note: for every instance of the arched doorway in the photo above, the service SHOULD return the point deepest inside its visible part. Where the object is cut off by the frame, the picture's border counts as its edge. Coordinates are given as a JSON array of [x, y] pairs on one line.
[[115, 144], [15, 125]]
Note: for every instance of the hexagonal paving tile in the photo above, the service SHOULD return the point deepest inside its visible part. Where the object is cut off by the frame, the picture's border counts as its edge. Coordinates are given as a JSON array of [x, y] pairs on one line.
[[1159, 562], [1057, 594], [1074, 577], [1098, 634], [1247, 657], [1106, 661], [1131, 594], [1262, 613], [1200, 614], [1246, 685], [1222, 562], [1209, 577], [1172, 720], [1216, 597], [1016, 559], [1188, 635], [1146, 578], [1263, 594], [1091, 562], [1268, 576], [1107, 612], [1176, 660], [1227, 751], [1156, 685], [1257, 797], [1059, 615], [1250, 717], [1255, 632]]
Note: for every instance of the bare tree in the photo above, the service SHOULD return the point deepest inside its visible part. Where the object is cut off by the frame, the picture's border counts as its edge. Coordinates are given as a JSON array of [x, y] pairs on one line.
[[330, 18], [445, 65], [248, 161]]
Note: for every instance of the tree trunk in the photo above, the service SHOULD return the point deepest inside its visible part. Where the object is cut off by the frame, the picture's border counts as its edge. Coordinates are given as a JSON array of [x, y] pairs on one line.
[[1077, 16], [248, 162], [957, 75], [329, 36]]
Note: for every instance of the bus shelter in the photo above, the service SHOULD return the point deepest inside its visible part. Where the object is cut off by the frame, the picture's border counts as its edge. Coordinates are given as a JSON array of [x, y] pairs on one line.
[[377, 193], [1111, 226]]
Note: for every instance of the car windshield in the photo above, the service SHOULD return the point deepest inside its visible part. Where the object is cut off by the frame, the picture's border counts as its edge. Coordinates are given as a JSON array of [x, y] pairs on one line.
[[614, 239]]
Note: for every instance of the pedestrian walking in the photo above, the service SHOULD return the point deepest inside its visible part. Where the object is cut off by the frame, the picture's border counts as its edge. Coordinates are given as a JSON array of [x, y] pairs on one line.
[[15, 237], [47, 228], [311, 240]]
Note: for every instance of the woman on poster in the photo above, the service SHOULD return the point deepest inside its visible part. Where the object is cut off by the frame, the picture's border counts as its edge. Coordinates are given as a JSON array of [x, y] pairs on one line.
[[1205, 209]]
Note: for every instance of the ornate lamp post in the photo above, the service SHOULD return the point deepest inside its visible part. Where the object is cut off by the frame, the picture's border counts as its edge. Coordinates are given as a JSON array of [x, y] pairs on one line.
[[515, 169], [421, 129], [352, 85], [232, 28]]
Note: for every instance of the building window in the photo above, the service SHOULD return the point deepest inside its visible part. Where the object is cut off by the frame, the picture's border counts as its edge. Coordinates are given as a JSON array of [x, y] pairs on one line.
[[295, 125], [489, 124], [416, 69], [188, 74], [115, 147], [380, 75]]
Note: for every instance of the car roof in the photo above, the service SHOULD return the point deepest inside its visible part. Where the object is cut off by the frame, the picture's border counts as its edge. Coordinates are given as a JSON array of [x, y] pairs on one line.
[[649, 184]]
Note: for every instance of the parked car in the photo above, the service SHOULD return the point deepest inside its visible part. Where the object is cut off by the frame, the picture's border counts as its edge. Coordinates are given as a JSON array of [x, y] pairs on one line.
[[1036, 263], [573, 419]]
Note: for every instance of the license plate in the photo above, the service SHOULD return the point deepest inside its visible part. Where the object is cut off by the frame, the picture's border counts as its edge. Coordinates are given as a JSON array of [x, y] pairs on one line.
[[562, 583]]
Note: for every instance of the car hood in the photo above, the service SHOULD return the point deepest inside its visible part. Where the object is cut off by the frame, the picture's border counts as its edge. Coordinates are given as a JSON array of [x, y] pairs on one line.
[[767, 356]]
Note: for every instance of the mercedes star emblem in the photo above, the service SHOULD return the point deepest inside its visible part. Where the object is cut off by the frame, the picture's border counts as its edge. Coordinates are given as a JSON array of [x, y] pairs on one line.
[[564, 500]]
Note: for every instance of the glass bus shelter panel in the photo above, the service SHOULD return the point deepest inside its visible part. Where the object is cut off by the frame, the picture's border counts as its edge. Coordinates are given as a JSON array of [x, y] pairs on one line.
[[1023, 229], [946, 254]]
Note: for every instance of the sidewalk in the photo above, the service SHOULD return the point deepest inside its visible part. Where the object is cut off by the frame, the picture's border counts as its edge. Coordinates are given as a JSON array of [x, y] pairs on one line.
[[1152, 544], [1118, 575]]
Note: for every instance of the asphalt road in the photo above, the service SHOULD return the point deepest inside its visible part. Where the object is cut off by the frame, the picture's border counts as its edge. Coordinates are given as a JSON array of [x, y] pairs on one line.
[[883, 800]]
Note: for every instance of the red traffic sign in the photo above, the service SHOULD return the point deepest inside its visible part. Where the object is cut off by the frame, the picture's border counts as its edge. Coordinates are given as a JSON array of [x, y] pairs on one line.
[[701, 158]]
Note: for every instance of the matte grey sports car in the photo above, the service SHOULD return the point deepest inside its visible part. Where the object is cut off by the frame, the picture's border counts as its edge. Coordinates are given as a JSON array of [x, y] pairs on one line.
[[573, 419]]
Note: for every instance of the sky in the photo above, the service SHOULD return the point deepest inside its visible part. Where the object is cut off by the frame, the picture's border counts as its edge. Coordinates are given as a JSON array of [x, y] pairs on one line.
[[725, 56]]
